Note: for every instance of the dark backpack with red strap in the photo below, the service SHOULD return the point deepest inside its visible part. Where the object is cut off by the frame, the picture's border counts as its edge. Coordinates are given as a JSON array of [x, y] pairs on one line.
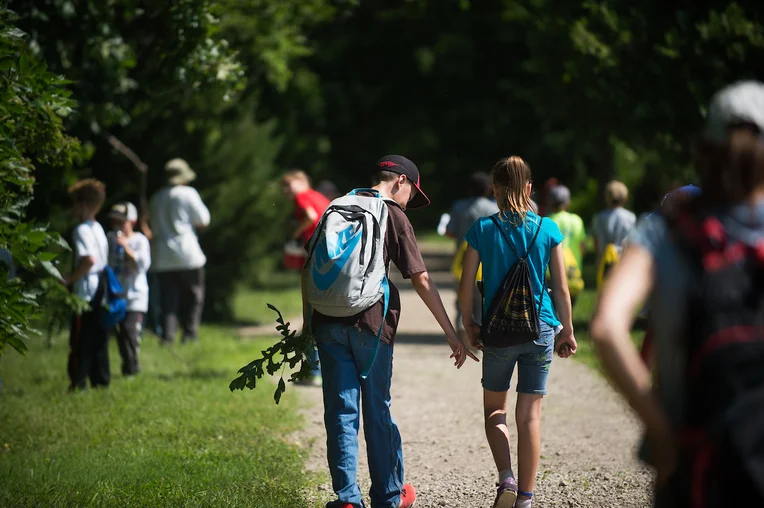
[[722, 439]]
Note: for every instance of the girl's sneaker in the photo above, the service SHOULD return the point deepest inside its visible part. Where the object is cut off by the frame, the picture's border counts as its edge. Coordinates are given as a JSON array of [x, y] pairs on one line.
[[408, 496], [506, 495]]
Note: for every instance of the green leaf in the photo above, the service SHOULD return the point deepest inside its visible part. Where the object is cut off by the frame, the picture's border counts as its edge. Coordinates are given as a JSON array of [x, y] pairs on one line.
[[294, 360], [47, 256], [19, 345], [258, 368], [59, 240], [37, 237], [238, 384], [52, 270], [272, 367], [280, 389]]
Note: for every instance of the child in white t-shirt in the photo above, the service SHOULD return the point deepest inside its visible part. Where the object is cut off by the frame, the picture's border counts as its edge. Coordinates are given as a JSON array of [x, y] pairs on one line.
[[130, 258], [89, 355]]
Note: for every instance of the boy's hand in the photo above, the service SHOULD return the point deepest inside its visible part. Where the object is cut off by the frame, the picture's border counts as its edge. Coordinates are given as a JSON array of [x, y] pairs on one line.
[[460, 351], [565, 344], [122, 240], [473, 333]]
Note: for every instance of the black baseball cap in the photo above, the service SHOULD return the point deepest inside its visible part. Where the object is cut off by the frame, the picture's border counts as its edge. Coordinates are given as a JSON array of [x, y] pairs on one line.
[[403, 166]]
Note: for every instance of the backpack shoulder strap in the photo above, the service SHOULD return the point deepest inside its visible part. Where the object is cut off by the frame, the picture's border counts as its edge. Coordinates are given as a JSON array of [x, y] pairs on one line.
[[504, 234], [498, 225], [698, 235], [354, 192], [533, 242]]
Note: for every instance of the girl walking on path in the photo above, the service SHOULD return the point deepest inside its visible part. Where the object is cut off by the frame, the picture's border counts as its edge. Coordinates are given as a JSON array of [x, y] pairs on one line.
[[516, 235]]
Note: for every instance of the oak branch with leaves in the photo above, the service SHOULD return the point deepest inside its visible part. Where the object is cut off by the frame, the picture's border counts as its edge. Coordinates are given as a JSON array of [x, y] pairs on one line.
[[290, 351]]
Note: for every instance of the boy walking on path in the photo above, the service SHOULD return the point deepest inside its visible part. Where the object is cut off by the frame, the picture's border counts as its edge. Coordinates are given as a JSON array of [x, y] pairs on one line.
[[571, 225], [130, 258], [347, 345], [89, 354]]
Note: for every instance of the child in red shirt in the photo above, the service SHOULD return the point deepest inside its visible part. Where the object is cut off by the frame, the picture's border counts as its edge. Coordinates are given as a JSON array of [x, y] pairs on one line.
[[310, 205]]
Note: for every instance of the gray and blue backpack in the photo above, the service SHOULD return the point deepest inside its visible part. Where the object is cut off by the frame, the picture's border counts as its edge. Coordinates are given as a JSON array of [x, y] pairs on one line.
[[346, 268]]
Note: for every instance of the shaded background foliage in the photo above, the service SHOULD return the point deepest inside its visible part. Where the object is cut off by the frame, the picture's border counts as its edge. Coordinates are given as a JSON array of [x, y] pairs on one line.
[[33, 104], [586, 90]]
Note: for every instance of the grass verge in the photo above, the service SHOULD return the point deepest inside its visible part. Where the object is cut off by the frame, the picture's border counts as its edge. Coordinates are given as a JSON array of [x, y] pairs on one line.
[[174, 436], [250, 306], [431, 236]]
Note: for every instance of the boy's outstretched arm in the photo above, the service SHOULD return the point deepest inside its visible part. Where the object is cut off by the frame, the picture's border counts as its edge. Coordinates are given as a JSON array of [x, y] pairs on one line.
[[428, 292], [467, 294], [311, 216], [82, 269]]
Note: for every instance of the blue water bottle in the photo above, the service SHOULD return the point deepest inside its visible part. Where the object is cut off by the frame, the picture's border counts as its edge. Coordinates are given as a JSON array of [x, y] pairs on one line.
[[120, 256]]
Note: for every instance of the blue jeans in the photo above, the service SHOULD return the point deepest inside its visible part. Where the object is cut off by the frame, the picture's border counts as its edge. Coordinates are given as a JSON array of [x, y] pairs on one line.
[[533, 359], [344, 352]]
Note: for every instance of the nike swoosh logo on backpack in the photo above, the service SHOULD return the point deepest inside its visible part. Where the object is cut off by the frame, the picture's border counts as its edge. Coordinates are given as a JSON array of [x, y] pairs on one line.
[[345, 246]]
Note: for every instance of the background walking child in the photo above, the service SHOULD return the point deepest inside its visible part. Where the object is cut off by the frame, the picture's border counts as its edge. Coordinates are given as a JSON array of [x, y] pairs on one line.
[[89, 355], [516, 237], [463, 214], [574, 238], [130, 258], [611, 228], [309, 206]]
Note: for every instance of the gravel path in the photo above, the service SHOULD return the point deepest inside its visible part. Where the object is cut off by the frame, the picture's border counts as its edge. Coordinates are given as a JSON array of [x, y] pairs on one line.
[[588, 434]]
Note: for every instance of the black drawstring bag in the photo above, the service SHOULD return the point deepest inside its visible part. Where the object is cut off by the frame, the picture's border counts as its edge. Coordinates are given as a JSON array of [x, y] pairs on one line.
[[513, 317]]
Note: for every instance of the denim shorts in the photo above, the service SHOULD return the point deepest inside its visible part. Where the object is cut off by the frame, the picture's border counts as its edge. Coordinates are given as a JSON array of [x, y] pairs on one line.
[[533, 359]]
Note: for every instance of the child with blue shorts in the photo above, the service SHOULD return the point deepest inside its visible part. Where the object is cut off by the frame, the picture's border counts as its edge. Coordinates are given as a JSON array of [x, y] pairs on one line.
[[488, 244]]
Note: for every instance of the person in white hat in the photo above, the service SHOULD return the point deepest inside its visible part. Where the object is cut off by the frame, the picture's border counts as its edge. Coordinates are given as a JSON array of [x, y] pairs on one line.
[[130, 259], [177, 213], [700, 265]]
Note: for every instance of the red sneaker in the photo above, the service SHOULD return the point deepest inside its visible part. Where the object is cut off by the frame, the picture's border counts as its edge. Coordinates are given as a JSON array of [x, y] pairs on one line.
[[408, 496], [347, 505]]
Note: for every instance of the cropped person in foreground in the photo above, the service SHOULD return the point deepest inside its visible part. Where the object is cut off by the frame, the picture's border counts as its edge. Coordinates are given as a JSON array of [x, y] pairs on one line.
[[702, 267]]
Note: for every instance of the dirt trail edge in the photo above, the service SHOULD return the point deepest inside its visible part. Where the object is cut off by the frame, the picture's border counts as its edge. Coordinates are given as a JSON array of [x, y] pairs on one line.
[[588, 435]]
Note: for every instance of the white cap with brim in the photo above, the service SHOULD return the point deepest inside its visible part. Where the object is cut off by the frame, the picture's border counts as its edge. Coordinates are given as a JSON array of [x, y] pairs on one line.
[[124, 211], [739, 103], [179, 172]]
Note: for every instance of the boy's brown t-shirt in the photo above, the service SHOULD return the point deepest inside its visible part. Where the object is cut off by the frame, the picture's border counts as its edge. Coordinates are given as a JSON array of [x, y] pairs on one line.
[[402, 250]]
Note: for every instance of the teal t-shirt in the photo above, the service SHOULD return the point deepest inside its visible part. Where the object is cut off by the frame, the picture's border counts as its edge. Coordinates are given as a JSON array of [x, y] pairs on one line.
[[497, 256]]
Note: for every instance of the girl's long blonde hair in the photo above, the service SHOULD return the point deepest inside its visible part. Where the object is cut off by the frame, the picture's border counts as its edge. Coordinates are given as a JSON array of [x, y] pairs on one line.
[[511, 177]]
